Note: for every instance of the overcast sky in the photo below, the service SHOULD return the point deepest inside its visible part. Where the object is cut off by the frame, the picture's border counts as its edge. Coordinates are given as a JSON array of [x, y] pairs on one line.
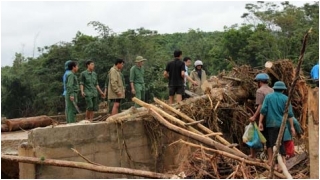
[[25, 25]]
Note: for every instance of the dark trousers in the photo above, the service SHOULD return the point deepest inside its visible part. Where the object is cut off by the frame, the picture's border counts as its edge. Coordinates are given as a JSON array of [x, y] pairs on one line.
[[184, 95]]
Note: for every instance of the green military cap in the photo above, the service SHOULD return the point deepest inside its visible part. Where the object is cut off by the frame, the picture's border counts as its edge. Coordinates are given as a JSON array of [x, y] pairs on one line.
[[279, 85], [66, 64], [140, 59]]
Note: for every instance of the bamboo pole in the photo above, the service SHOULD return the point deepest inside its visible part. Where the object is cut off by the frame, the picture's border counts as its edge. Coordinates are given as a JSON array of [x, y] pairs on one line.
[[87, 166], [285, 115], [171, 118], [195, 136], [200, 126]]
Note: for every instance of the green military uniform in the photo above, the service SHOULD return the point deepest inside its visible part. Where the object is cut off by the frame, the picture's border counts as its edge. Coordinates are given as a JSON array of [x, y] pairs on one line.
[[137, 78], [72, 90], [90, 80]]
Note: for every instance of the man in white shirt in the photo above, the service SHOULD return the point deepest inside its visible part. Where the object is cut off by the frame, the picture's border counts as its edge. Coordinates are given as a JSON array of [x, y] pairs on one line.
[[187, 62]]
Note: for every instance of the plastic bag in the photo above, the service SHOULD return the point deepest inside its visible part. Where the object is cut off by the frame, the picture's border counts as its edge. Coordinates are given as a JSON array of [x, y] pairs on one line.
[[257, 139], [248, 133], [261, 136]]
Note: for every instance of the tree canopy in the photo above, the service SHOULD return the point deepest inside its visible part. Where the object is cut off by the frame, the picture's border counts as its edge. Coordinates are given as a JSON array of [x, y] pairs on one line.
[[33, 86]]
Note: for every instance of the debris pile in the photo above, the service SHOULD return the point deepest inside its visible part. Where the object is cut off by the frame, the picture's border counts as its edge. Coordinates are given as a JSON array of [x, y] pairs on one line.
[[217, 120]]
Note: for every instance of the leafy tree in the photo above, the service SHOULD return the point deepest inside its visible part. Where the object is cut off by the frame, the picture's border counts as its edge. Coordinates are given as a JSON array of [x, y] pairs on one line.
[[33, 86]]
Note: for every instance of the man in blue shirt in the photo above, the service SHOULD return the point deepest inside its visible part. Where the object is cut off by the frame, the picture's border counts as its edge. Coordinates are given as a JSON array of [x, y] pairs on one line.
[[315, 74], [272, 109], [64, 78]]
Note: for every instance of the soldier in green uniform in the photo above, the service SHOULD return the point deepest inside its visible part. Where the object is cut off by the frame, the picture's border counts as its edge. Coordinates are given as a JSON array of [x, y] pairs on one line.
[[137, 79], [72, 87], [89, 86]]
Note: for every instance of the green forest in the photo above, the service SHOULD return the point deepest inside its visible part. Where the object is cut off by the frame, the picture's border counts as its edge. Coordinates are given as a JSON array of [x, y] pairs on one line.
[[33, 86]]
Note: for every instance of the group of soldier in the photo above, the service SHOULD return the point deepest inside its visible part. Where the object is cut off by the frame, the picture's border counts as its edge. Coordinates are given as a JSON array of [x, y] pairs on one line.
[[176, 71], [89, 88]]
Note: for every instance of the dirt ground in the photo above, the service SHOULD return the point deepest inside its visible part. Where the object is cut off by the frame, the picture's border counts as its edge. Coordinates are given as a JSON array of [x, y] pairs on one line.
[[15, 135]]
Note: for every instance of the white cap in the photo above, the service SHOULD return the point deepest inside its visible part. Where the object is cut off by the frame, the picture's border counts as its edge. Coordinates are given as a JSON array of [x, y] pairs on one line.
[[198, 63]]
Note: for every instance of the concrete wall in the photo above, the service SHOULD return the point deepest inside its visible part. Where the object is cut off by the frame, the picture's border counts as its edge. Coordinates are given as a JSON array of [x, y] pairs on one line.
[[109, 144]]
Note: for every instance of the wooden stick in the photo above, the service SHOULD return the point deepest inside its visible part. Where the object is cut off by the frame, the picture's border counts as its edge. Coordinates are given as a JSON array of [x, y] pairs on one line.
[[74, 150], [194, 123], [215, 169], [87, 166], [210, 101], [235, 172], [243, 171], [213, 134], [230, 175], [171, 118], [194, 136], [215, 108], [285, 115], [232, 78], [202, 127]]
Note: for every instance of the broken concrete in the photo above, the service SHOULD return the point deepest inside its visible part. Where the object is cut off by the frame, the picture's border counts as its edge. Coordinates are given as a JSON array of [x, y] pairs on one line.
[[110, 144]]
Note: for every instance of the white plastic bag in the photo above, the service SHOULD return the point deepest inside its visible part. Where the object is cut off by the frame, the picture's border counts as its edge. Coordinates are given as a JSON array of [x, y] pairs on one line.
[[248, 133]]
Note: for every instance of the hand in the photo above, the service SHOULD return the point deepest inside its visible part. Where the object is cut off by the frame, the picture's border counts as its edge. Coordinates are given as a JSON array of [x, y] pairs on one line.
[[133, 91], [195, 83], [71, 98], [119, 94], [83, 94], [260, 126], [252, 118], [293, 131], [103, 96]]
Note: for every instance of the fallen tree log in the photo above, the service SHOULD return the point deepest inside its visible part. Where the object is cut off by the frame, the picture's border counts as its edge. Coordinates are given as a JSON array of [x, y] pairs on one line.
[[200, 126], [4, 128], [171, 118], [130, 113], [87, 166], [28, 123], [290, 163], [195, 136]]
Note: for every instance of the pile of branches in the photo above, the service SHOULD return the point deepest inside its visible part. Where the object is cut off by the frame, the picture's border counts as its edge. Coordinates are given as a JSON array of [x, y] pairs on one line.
[[203, 164], [230, 99], [214, 147]]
